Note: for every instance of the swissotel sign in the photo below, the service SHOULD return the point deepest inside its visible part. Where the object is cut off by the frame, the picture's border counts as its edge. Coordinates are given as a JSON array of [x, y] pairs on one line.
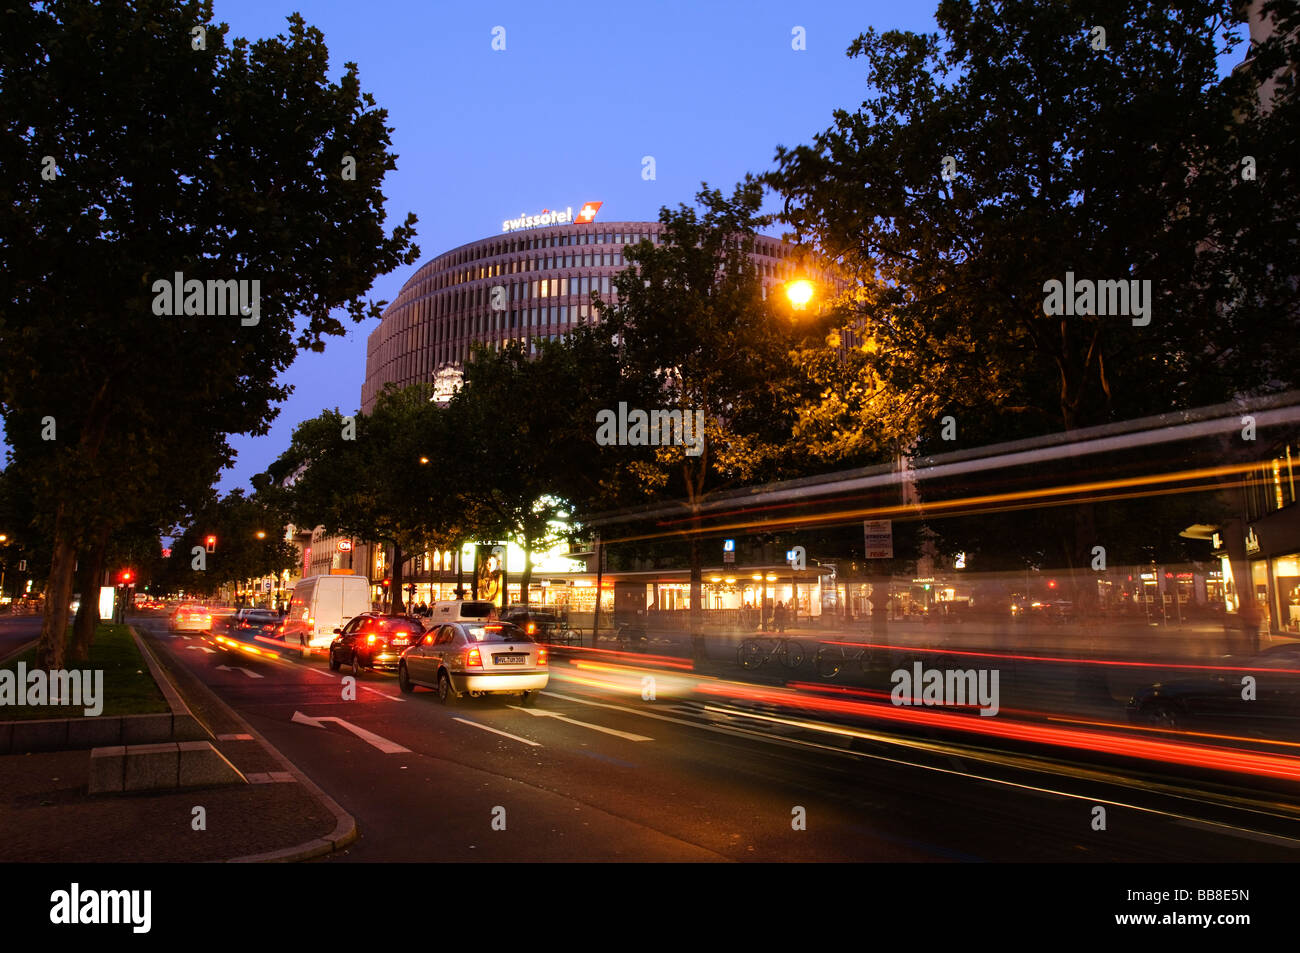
[[552, 217]]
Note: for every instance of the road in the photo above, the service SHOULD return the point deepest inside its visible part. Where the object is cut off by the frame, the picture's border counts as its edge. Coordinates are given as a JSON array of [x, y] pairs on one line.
[[709, 770], [16, 631]]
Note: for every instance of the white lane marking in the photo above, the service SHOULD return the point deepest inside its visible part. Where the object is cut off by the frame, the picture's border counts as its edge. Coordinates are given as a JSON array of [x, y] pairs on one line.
[[573, 721], [202, 648], [235, 737], [497, 731], [369, 737], [227, 668]]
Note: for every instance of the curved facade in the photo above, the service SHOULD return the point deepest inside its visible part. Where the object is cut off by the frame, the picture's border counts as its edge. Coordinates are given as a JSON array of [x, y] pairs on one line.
[[546, 277]]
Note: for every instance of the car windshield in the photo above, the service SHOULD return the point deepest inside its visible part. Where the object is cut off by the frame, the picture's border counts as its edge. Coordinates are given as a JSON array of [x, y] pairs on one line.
[[476, 610], [262, 615], [497, 632]]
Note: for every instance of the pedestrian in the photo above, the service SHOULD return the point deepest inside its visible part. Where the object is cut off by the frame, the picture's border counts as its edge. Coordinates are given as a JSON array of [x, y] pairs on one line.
[[778, 616]]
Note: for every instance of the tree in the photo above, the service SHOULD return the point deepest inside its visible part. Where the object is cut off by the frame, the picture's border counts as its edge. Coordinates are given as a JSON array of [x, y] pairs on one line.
[[1010, 150], [695, 334], [378, 476], [141, 145], [1017, 147]]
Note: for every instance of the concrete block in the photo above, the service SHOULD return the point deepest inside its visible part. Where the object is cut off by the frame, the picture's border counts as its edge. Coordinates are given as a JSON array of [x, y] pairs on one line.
[[146, 729], [152, 767], [94, 732], [202, 765], [107, 769], [51, 735], [185, 727]]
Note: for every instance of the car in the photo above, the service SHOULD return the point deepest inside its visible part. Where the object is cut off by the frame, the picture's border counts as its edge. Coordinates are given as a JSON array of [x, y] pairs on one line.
[[190, 617], [1218, 699], [475, 658], [256, 624], [374, 640], [461, 610]]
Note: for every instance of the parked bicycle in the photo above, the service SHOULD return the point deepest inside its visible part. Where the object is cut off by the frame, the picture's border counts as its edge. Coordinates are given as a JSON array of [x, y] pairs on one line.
[[756, 652], [832, 658]]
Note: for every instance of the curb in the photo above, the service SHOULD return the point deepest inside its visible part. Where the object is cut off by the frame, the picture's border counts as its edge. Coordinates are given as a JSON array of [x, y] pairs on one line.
[[345, 828], [19, 651]]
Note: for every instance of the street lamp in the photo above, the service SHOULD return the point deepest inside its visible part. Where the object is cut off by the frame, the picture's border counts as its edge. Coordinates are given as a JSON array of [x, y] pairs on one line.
[[800, 292], [261, 534]]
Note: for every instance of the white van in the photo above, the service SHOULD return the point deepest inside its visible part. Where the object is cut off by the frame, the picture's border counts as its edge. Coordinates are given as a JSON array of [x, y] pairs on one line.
[[321, 604], [460, 610]]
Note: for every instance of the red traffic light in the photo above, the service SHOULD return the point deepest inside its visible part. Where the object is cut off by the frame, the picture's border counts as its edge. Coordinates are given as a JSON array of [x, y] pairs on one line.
[[126, 577], [1051, 584], [211, 543]]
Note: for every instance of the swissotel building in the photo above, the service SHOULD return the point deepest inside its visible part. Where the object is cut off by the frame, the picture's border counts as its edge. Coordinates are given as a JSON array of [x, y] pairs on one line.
[[546, 267]]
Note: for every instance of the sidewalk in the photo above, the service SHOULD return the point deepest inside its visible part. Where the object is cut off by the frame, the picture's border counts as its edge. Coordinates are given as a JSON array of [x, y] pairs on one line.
[[48, 816]]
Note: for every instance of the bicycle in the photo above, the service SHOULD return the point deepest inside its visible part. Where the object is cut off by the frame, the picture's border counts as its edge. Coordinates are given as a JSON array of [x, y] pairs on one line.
[[754, 653], [833, 657]]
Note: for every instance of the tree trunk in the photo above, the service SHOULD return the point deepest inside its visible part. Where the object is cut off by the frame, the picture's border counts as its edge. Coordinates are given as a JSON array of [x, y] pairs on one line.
[[396, 579], [90, 568], [52, 644]]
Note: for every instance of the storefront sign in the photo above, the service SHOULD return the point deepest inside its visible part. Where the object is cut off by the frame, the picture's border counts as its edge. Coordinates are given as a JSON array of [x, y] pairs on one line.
[[1252, 541]]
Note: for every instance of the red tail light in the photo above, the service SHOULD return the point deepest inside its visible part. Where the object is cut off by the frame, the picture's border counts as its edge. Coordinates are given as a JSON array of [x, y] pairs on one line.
[[370, 640], [532, 627], [541, 656], [475, 657]]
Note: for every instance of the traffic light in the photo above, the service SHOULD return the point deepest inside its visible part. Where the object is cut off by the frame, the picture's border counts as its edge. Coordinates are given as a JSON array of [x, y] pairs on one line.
[[126, 577], [1051, 584], [211, 544]]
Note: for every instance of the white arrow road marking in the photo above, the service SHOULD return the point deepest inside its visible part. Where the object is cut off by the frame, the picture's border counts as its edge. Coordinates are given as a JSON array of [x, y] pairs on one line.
[[369, 737], [497, 731], [202, 648], [573, 721], [227, 668]]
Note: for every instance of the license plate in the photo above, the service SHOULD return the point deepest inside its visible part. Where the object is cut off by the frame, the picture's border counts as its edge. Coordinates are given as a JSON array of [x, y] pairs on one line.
[[399, 641], [519, 659]]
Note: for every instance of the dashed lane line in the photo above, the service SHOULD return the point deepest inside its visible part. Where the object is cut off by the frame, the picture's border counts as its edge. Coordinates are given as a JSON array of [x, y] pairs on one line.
[[497, 731]]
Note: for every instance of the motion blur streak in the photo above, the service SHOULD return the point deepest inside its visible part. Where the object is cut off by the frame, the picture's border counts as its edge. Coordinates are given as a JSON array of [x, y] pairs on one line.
[[245, 647], [905, 649], [1182, 732], [637, 658], [1170, 752], [1072, 493]]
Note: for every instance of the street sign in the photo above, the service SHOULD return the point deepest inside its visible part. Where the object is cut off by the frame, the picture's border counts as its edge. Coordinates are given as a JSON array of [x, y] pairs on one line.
[[266, 586], [728, 550], [345, 545], [878, 539], [797, 558]]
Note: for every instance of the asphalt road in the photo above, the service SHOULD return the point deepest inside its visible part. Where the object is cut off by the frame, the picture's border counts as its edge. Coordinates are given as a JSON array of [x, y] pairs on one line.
[[16, 631], [709, 771]]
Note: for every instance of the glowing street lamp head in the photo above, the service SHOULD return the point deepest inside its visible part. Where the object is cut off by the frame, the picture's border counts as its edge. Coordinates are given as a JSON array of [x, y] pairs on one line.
[[261, 534], [799, 292]]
